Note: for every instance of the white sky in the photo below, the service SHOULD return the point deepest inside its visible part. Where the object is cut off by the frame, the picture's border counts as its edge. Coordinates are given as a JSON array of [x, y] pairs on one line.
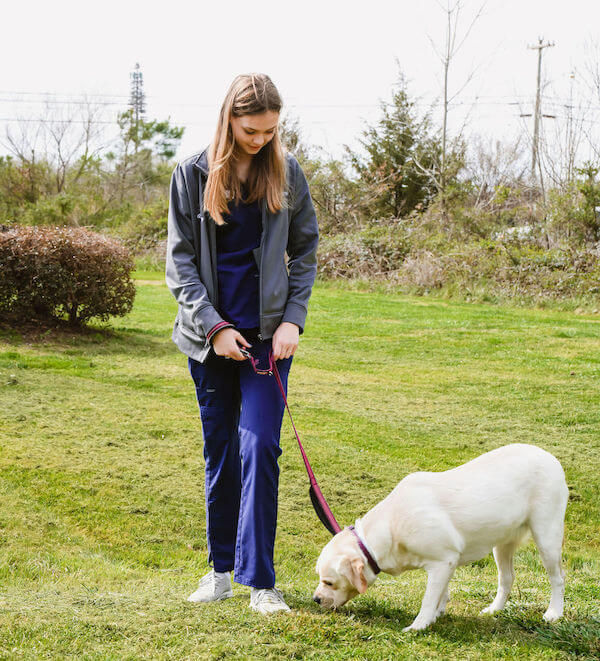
[[332, 61]]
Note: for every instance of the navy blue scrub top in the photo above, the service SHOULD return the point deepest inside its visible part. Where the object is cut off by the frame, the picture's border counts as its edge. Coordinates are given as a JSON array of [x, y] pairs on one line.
[[237, 271]]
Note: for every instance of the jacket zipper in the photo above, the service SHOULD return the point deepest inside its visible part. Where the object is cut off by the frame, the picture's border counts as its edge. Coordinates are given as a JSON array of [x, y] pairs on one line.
[[260, 272], [211, 233], [203, 217]]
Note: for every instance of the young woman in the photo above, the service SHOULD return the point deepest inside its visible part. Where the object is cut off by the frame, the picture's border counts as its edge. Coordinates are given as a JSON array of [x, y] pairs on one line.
[[235, 211]]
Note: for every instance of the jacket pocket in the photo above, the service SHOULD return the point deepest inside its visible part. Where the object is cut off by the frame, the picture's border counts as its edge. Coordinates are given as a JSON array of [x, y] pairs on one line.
[[278, 289]]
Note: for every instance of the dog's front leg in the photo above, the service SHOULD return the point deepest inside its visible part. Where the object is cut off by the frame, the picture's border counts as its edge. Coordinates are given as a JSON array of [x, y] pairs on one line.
[[438, 577], [441, 609]]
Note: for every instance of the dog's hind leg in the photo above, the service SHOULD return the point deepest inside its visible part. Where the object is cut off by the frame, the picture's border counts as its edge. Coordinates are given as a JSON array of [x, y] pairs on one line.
[[438, 577], [503, 555], [548, 537], [547, 524]]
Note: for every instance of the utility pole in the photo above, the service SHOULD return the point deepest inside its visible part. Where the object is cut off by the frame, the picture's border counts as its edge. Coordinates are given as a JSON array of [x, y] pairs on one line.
[[137, 100], [571, 146], [535, 154]]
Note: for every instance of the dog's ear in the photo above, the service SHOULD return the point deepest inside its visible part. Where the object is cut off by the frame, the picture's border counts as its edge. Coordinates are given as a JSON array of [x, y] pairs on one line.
[[353, 571]]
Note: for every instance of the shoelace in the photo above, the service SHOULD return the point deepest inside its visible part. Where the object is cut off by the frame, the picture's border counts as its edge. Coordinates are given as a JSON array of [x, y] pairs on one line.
[[209, 579], [271, 596]]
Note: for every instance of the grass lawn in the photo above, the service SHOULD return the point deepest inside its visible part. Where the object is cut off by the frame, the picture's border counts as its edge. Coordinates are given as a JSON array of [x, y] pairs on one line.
[[102, 532]]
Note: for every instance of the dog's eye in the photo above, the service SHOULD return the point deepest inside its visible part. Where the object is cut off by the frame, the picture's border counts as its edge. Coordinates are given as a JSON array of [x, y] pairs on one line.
[[327, 583]]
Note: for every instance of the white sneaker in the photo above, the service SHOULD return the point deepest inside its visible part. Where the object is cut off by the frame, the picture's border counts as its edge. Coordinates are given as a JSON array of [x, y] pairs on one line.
[[267, 601], [213, 586]]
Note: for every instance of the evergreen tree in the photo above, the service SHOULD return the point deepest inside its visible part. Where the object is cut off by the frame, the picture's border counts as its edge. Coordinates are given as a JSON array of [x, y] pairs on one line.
[[401, 153]]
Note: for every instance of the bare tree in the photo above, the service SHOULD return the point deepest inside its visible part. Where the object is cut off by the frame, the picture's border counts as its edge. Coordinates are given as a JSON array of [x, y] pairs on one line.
[[454, 39], [495, 163], [75, 137], [589, 78], [560, 148], [26, 143], [68, 137]]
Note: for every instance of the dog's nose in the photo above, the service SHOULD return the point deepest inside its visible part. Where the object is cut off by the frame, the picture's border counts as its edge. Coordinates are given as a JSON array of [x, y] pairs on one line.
[[317, 599]]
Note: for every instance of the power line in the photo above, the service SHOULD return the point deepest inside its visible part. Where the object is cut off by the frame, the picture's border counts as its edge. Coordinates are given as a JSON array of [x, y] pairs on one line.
[[122, 96], [454, 104], [71, 121], [490, 99]]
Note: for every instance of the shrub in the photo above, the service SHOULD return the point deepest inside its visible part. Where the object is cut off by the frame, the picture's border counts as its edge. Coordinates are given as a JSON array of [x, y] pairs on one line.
[[146, 227], [373, 251], [424, 270], [574, 214], [505, 270], [152, 259], [51, 272]]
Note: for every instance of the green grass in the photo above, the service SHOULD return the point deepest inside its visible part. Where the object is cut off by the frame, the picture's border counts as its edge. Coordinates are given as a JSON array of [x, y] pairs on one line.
[[101, 490]]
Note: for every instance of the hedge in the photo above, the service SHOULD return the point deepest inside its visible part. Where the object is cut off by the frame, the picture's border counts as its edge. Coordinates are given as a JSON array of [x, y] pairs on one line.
[[60, 271]]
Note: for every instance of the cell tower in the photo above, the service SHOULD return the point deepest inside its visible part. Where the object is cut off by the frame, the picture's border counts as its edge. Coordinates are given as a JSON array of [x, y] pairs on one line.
[[137, 99]]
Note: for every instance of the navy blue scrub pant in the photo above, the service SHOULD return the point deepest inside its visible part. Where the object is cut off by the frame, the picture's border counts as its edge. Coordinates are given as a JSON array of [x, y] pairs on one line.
[[241, 414]]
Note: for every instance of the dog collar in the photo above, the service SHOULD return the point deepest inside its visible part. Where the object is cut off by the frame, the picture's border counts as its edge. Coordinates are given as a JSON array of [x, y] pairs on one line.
[[362, 546]]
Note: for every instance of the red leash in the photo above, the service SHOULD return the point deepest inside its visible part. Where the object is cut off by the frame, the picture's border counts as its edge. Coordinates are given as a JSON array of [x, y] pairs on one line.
[[318, 499]]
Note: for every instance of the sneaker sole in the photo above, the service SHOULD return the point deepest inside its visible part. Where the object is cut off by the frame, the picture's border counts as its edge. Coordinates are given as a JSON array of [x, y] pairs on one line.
[[279, 610], [225, 595]]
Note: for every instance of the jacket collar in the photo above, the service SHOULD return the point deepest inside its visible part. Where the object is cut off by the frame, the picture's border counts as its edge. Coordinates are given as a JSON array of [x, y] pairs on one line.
[[201, 161]]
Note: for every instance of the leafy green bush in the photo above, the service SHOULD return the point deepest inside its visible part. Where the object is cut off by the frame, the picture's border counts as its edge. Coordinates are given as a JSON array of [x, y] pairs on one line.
[[574, 210], [49, 211], [51, 271], [146, 227]]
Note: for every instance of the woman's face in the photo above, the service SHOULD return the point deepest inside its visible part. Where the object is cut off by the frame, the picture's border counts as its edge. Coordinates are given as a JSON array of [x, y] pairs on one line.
[[252, 132]]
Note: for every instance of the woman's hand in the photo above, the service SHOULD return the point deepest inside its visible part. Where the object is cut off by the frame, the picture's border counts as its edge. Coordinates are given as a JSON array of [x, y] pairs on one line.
[[226, 343], [285, 340]]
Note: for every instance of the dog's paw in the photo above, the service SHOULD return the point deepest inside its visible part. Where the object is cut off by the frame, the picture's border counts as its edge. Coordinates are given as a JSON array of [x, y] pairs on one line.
[[416, 626], [552, 615], [490, 610]]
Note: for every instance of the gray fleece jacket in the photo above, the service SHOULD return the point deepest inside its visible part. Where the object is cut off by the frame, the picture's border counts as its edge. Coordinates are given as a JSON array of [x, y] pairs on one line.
[[191, 267]]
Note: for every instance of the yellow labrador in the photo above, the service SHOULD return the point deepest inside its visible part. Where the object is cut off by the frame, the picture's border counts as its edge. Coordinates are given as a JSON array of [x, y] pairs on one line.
[[438, 521]]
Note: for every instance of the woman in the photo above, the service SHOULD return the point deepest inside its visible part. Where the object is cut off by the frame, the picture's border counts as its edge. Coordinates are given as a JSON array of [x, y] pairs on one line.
[[235, 210]]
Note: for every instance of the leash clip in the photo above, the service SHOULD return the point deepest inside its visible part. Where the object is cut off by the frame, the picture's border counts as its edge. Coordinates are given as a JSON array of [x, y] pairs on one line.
[[255, 361]]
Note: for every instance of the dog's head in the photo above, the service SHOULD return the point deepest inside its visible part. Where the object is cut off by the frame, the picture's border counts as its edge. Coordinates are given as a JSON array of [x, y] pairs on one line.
[[341, 571]]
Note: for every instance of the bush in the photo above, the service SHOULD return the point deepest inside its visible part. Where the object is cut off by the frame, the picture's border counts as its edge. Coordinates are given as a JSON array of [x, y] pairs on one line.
[[146, 228], [505, 270], [52, 272], [372, 252], [152, 259], [574, 214]]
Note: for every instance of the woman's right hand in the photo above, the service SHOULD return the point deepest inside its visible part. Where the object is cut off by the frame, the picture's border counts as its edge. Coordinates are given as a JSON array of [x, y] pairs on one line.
[[226, 343]]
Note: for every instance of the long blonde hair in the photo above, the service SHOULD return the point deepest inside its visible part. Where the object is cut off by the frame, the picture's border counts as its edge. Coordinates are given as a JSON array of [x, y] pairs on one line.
[[248, 94]]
